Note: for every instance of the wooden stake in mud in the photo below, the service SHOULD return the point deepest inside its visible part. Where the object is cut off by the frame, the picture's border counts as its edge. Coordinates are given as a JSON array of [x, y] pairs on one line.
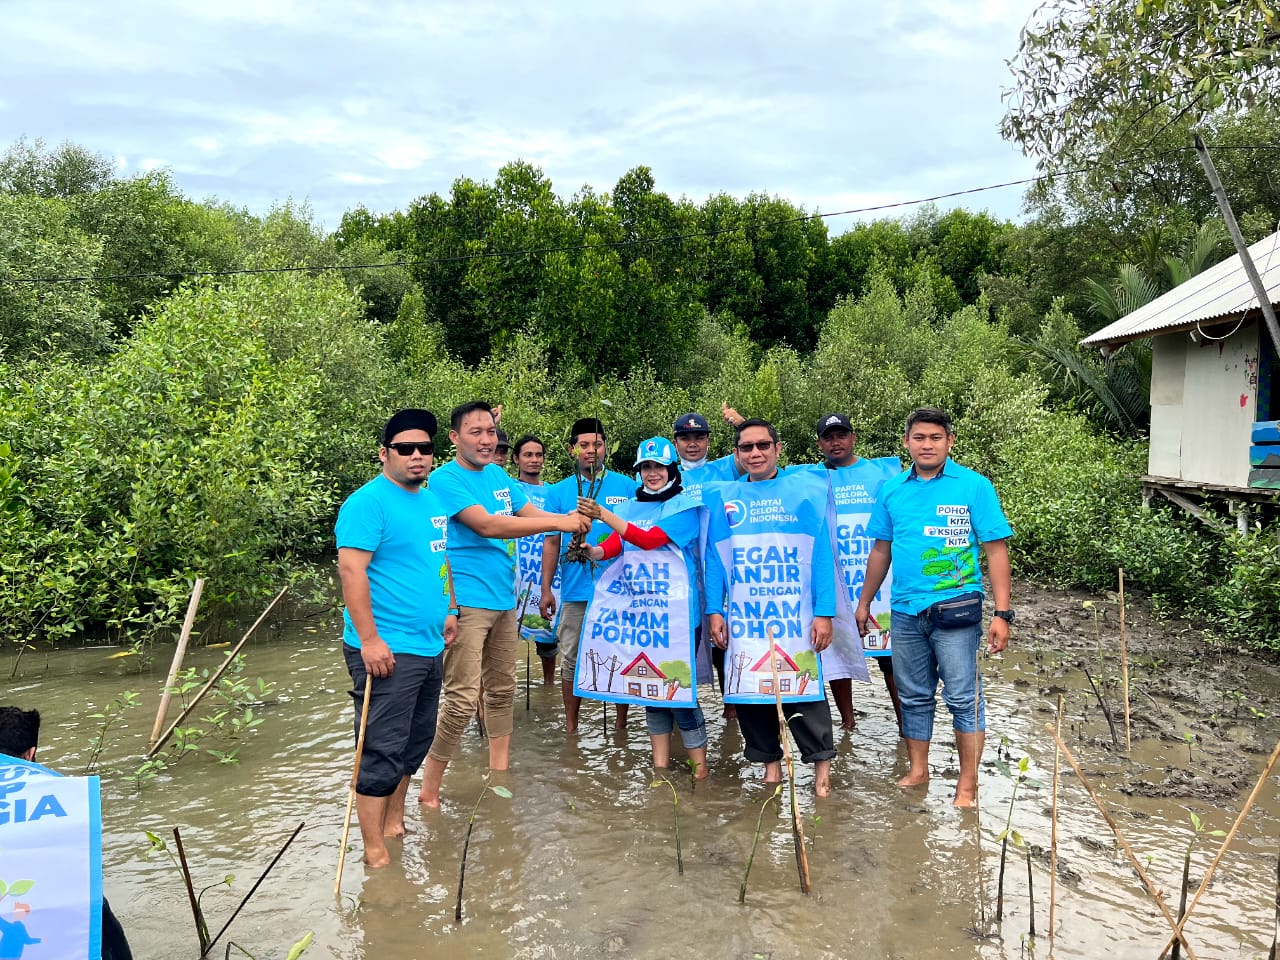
[[1124, 668], [355, 775], [1152, 892], [977, 802], [1275, 933], [528, 660], [217, 675], [797, 830], [202, 928], [188, 625], [1226, 842], [1053, 826]]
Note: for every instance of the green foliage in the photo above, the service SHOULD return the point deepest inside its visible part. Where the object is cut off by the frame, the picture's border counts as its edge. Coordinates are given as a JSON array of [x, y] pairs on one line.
[[1244, 604], [1089, 69]]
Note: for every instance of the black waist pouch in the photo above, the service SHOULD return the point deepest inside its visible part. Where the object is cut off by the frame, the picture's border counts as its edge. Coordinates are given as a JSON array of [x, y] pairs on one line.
[[965, 611]]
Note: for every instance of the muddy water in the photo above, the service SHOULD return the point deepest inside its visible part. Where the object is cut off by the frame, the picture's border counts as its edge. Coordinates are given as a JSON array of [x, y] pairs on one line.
[[581, 861]]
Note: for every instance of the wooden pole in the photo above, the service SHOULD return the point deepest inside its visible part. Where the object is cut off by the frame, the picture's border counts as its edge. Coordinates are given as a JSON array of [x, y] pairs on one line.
[[1053, 827], [1233, 228], [355, 775], [202, 928], [1124, 669], [1155, 894], [797, 830], [187, 626], [1226, 842], [217, 674]]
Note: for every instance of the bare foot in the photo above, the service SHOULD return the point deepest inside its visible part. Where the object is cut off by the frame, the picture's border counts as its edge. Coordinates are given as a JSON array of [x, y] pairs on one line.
[[822, 786], [730, 712], [772, 773], [914, 779], [569, 729], [620, 726], [701, 771], [850, 724], [965, 797], [377, 861], [395, 831]]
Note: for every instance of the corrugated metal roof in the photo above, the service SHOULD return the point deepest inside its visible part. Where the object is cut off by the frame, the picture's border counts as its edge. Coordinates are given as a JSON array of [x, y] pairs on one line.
[[1222, 291]]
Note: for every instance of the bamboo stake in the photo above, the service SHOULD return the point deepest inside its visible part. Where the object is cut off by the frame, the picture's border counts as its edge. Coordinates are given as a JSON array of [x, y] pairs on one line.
[[187, 626], [355, 775], [217, 674], [1053, 829], [797, 830], [977, 802], [1124, 668], [1226, 842], [1155, 894], [528, 592], [202, 928], [1275, 933]]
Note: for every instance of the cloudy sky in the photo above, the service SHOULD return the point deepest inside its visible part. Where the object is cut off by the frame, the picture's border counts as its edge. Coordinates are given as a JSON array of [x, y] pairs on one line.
[[830, 104]]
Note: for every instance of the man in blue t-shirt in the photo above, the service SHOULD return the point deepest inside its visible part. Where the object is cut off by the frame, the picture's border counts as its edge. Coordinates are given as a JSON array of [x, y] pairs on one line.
[[530, 456], [587, 445], [487, 513], [930, 521], [398, 619]]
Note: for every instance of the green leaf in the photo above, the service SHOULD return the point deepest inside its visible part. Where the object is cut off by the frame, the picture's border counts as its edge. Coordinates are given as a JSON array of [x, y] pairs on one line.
[[20, 887], [503, 792], [296, 950]]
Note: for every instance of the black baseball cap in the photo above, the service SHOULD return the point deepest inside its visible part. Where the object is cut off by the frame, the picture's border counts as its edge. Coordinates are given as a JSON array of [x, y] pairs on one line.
[[833, 421], [410, 419], [690, 423], [502, 440]]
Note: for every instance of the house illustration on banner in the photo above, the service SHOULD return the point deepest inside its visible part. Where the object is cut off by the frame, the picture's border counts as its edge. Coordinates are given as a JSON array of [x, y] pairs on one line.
[[643, 679], [791, 679]]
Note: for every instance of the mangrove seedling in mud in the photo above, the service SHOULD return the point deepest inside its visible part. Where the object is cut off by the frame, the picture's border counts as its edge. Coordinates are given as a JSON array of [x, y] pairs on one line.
[[107, 718], [1019, 777], [755, 840], [505, 794], [1197, 829], [675, 813]]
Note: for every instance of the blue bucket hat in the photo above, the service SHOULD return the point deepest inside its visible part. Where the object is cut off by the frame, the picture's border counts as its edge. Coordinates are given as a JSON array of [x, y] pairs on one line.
[[656, 450]]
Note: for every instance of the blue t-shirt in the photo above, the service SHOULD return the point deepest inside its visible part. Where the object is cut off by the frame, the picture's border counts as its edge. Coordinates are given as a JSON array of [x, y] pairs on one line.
[[577, 579], [408, 572], [711, 471], [484, 568], [678, 519], [935, 527]]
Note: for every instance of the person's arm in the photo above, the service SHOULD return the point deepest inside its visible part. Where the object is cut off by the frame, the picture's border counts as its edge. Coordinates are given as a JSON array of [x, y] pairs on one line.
[[479, 520], [877, 566], [824, 586], [550, 560], [353, 571], [998, 569], [451, 618], [607, 550]]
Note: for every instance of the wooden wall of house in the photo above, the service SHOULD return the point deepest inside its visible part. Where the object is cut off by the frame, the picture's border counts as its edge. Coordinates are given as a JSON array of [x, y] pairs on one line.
[[1203, 405]]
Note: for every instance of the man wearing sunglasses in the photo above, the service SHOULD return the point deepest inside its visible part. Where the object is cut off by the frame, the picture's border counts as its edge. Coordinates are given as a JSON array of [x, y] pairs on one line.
[[766, 600], [398, 619], [487, 513]]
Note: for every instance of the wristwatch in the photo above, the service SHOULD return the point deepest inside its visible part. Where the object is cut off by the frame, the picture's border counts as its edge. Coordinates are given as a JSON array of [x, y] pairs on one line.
[[453, 611], [1006, 615]]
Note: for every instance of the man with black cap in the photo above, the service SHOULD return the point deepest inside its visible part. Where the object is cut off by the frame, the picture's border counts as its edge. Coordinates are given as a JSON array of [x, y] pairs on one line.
[[487, 513], [855, 481], [399, 616], [588, 447], [502, 449]]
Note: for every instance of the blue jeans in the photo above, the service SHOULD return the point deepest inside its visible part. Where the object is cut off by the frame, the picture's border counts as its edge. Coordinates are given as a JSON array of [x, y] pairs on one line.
[[923, 654], [693, 727]]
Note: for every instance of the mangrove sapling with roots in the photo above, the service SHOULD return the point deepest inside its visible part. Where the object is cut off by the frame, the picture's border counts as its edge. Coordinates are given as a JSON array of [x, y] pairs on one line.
[[755, 840], [675, 814], [107, 717], [1197, 828], [466, 843], [1009, 832]]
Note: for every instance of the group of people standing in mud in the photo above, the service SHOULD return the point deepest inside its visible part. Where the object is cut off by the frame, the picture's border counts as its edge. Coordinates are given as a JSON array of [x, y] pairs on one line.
[[781, 581]]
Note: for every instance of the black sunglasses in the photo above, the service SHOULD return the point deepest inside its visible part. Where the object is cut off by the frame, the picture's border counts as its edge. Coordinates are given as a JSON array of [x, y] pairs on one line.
[[761, 445], [424, 447]]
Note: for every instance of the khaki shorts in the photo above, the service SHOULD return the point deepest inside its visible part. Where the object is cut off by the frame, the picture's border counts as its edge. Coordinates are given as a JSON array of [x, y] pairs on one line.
[[568, 633]]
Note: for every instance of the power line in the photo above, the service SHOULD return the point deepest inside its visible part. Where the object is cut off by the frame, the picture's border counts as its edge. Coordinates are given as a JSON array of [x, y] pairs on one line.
[[602, 245]]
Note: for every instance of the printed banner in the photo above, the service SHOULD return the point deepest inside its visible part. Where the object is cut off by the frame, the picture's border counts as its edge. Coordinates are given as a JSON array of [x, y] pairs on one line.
[[854, 489], [51, 873], [636, 635], [766, 538], [532, 626]]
